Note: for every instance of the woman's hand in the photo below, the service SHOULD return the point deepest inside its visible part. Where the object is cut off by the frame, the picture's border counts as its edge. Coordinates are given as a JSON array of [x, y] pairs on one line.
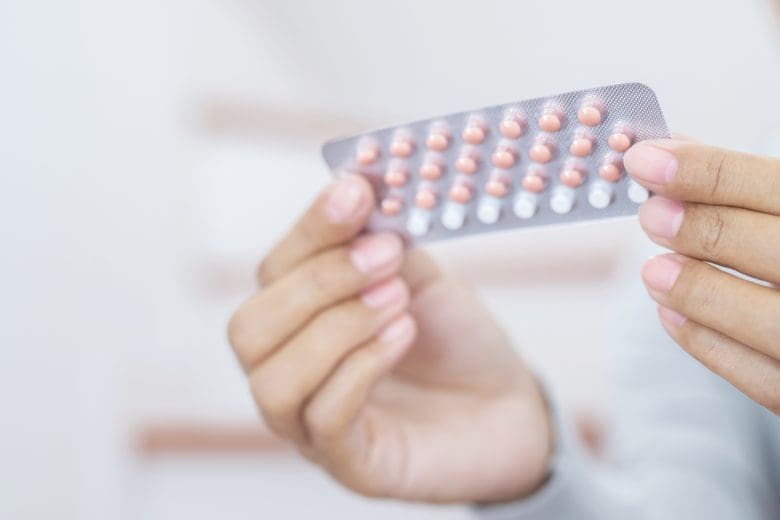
[[722, 207], [388, 374]]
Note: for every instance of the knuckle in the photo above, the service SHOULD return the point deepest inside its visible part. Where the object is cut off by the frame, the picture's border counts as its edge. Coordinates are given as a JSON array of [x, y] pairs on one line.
[[714, 225], [323, 425], [274, 400], [322, 276], [344, 319], [715, 167]]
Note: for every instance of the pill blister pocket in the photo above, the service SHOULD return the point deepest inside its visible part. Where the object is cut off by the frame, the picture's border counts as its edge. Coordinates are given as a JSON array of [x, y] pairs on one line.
[[543, 161]]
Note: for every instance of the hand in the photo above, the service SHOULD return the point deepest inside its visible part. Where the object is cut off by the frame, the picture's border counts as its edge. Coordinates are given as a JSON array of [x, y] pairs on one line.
[[722, 207], [388, 374]]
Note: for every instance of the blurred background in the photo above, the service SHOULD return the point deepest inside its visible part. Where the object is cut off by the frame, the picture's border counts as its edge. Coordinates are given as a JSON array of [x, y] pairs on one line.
[[151, 151]]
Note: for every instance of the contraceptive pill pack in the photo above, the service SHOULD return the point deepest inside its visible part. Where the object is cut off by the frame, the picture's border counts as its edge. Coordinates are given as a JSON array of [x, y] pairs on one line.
[[542, 161]]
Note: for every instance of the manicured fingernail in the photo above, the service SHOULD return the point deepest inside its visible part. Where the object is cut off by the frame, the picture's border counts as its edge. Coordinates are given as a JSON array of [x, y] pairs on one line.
[[345, 198], [397, 336], [384, 294], [673, 318], [661, 217], [650, 164], [660, 273], [373, 252]]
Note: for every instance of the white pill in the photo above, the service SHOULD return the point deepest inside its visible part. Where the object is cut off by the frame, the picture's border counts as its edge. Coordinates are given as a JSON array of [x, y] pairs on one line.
[[600, 195], [637, 193], [525, 204], [419, 223], [489, 210], [562, 200], [453, 216]]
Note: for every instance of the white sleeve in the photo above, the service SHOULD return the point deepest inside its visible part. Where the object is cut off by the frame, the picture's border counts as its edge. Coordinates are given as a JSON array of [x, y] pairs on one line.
[[685, 444]]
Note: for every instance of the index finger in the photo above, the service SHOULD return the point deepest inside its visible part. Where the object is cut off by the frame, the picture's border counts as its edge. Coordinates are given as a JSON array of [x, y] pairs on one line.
[[695, 172], [336, 216]]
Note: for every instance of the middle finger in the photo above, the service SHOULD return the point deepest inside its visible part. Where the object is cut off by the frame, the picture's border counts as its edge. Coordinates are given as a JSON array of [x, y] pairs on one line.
[[737, 238]]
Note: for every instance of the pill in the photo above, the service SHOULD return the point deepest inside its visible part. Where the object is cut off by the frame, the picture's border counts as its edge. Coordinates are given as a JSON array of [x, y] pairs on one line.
[[611, 170], [504, 156], [512, 126], [432, 168], [581, 146], [551, 120], [533, 183], [600, 194], [619, 141], [541, 152], [467, 162], [402, 145], [460, 192], [368, 152], [425, 198], [572, 177], [438, 139], [525, 205], [590, 114], [562, 200], [489, 210], [497, 186], [396, 175], [419, 222], [453, 216], [475, 131], [637, 193], [391, 206]]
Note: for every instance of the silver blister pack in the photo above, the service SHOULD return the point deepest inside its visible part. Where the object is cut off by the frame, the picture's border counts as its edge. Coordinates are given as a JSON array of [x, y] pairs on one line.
[[537, 162]]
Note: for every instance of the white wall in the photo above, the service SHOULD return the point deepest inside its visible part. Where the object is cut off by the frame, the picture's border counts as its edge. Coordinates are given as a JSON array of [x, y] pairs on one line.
[[122, 217]]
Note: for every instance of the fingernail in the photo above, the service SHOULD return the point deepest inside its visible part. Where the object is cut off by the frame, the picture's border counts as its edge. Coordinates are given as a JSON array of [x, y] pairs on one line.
[[384, 294], [673, 318], [661, 217], [397, 336], [373, 252], [660, 273], [651, 164], [345, 198]]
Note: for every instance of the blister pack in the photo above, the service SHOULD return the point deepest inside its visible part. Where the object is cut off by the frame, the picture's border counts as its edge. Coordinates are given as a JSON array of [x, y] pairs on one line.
[[542, 161]]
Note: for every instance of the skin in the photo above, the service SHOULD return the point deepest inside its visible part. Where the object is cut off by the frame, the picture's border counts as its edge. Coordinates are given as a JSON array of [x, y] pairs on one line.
[[718, 207], [383, 370]]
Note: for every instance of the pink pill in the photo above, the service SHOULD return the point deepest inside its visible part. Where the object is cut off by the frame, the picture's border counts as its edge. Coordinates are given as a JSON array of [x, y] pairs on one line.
[[431, 170], [396, 176], [610, 171], [541, 153], [551, 121], [512, 126], [581, 147], [467, 162], [391, 206], [402, 146], [425, 198], [367, 154], [460, 193], [619, 141], [467, 165], [572, 177], [437, 142], [504, 157], [497, 187], [590, 114], [475, 132], [533, 183]]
